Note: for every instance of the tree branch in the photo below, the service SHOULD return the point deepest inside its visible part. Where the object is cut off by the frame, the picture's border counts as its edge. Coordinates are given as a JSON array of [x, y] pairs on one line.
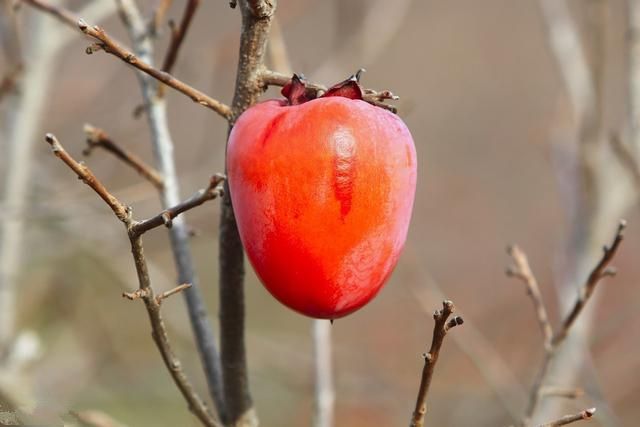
[[178, 34], [601, 271], [124, 214], [109, 45], [98, 138], [569, 419], [521, 270], [213, 190], [256, 22], [440, 329]]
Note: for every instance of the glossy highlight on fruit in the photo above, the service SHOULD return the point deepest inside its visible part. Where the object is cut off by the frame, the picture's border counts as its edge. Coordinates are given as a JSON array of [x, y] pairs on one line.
[[322, 191]]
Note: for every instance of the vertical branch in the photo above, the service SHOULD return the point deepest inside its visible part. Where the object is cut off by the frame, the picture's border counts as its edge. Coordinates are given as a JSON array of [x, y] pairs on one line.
[[441, 326], [324, 393], [324, 398], [163, 149], [256, 22], [601, 189], [634, 83]]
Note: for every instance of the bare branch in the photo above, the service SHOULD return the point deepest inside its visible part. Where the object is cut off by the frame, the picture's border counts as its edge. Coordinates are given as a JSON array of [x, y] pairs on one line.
[[85, 174], [98, 138], [109, 45], [324, 395], [178, 34], [274, 78], [145, 291], [569, 419], [599, 272], [65, 16], [91, 418], [440, 329], [256, 22], [521, 270], [173, 291], [166, 217], [626, 157], [158, 15], [569, 393]]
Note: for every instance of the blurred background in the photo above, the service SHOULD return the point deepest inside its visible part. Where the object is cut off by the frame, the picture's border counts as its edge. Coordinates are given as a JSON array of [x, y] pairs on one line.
[[508, 153]]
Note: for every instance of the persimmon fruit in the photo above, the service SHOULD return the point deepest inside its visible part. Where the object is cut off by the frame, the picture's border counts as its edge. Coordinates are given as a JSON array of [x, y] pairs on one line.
[[322, 191]]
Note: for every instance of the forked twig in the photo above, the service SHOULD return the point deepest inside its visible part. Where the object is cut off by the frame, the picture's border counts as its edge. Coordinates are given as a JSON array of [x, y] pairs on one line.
[[553, 340], [145, 291]]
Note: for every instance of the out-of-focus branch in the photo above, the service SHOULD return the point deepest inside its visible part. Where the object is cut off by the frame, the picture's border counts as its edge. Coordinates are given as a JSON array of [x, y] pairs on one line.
[[98, 138], [178, 34], [62, 14], [522, 271], [123, 213], [92, 418], [569, 419], [598, 189], [10, 40], [163, 149], [440, 329], [601, 270], [158, 15], [274, 78], [324, 394]]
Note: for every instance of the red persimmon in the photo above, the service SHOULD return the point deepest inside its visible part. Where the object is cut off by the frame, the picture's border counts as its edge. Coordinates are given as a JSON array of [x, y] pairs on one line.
[[322, 191]]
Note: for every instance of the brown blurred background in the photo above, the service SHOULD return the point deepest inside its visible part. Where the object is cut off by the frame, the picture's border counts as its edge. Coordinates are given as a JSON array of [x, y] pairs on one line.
[[483, 97]]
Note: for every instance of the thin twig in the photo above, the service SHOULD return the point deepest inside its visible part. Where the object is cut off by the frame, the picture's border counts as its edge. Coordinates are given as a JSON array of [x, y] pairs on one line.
[[568, 419], [625, 155], [213, 190], [521, 270], [274, 78], [167, 294], [64, 15], [145, 291], [601, 271], [109, 45], [440, 329], [177, 37], [98, 138], [158, 16], [569, 393], [85, 174]]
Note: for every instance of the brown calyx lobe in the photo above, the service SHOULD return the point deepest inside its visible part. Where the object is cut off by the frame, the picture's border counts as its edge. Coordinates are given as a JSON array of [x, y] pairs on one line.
[[297, 93]]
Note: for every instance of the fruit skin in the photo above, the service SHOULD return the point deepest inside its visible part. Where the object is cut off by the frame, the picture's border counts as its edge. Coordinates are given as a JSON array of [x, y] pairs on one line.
[[322, 192]]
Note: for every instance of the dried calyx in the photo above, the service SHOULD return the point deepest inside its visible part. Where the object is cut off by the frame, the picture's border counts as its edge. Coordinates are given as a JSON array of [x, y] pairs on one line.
[[298, 93]]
